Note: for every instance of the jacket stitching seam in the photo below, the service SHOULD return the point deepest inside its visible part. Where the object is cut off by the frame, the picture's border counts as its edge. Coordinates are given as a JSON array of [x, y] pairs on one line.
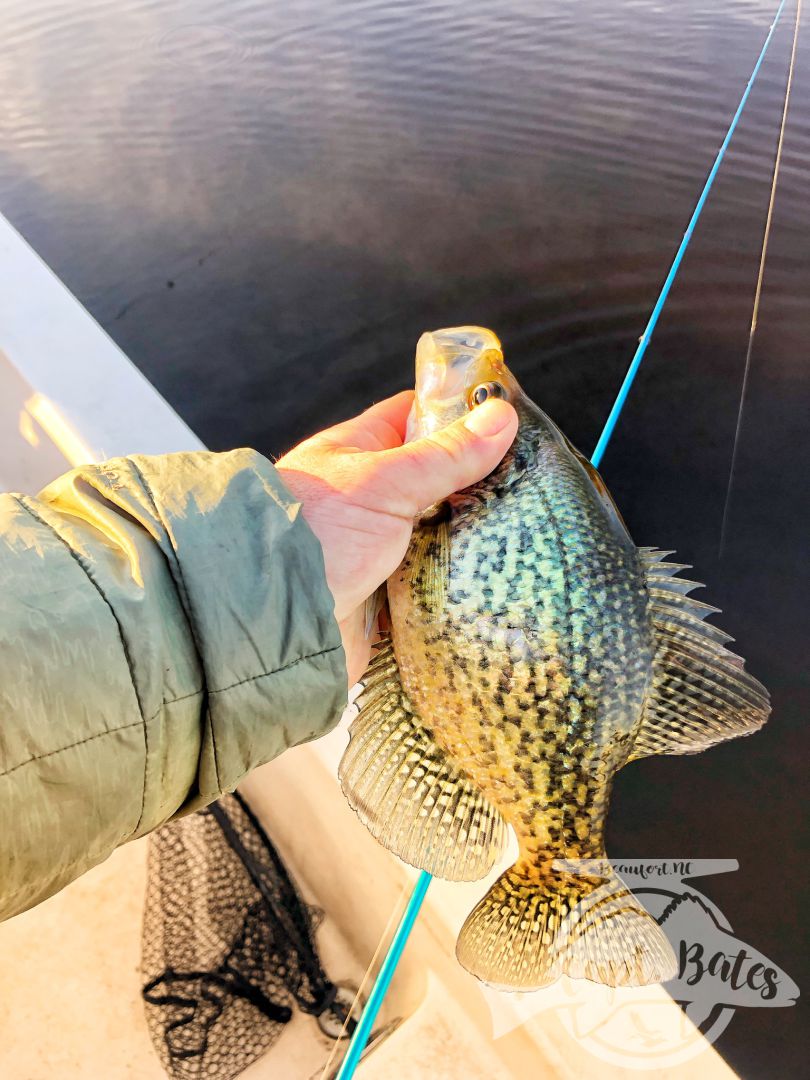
[[191, 617], [81, 742], [278, 670], [250, 678], [124, 647], [165, 704]]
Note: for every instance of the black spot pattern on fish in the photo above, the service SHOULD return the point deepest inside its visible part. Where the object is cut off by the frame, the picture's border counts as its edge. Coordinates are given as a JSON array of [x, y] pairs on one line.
[[544, 643]]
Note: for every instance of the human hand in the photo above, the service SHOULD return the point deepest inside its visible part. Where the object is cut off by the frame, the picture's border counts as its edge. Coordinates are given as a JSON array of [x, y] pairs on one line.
[[360, 489]]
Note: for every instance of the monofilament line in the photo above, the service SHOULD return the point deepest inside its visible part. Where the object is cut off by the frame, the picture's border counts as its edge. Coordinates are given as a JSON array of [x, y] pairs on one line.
[[366, 974], [644, 340], [758, 294], [383, 981], [384, 976]]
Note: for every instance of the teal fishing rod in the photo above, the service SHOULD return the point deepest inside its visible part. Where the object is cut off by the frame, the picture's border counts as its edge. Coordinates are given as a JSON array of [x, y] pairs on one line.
[[382, 983], [644, 341]]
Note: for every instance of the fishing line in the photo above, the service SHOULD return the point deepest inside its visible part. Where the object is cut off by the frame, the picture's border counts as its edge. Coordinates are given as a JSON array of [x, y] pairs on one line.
[[384, 976], [361, 987], [363, 1029], [644, 341], [760, 280]]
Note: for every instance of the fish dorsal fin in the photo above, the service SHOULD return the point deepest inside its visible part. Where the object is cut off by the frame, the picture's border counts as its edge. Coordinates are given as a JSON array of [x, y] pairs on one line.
[[406, 792], [701, 693], [599, 484]]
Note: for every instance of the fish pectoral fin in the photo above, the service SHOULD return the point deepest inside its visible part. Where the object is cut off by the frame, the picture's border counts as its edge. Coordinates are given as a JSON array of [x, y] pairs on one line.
[[701, 693], [541, 921], [406, 791], [372, 609], [430, 562]]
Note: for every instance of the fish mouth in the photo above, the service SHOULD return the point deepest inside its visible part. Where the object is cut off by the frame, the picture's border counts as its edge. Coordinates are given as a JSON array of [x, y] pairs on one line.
[[445, 360]]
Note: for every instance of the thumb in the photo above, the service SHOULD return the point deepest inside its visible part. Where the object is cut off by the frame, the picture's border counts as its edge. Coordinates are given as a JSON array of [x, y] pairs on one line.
[[429, 469]]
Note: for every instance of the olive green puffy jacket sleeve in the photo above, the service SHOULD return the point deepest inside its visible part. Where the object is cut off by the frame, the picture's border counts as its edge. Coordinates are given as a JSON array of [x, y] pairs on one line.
[[165, 626]]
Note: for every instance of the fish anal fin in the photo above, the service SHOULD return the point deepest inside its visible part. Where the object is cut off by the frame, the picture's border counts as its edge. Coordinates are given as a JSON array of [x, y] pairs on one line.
[[406, 791], [701, 693]]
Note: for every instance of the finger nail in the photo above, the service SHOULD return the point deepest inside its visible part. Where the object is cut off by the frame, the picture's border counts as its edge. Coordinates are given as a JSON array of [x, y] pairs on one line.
[[489, 419]]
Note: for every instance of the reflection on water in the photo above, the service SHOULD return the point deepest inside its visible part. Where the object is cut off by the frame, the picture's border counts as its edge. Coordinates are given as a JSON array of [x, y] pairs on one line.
[[266, 205]]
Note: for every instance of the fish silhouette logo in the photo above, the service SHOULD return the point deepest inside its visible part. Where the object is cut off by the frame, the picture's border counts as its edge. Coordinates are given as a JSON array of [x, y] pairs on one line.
[[637, 1027]]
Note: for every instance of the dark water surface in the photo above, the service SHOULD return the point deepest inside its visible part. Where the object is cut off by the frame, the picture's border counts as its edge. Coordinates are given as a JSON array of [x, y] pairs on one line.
[[266, 204]]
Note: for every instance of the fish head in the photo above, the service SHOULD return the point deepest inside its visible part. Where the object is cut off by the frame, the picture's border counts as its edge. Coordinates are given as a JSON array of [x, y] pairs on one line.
[[457, 369]]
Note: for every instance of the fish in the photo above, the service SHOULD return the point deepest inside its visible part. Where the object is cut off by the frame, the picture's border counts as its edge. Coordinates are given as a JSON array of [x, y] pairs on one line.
[[533, 651]]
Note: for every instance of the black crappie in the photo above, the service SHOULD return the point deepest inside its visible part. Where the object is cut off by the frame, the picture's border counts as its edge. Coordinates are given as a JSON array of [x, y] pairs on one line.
[[534, 651]]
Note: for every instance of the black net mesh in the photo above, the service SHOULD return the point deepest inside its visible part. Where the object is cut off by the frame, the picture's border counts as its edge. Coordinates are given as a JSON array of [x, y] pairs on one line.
[[228, 945]]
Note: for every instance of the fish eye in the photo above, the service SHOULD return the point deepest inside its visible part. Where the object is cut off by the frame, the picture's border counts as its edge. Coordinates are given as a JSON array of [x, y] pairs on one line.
[[486, 390]]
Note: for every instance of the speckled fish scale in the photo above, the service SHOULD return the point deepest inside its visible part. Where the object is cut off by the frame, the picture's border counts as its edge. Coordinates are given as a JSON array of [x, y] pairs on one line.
[[534, 651]]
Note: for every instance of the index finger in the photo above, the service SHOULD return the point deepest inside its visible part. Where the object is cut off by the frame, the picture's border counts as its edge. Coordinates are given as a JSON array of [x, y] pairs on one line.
[[380, 427]]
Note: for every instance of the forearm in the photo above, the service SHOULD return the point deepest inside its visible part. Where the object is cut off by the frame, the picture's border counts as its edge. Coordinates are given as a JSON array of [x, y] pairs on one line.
[[165, 627]]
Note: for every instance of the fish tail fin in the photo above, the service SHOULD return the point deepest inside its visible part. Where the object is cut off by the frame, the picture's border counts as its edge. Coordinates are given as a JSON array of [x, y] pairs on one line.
[[541, 921]]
